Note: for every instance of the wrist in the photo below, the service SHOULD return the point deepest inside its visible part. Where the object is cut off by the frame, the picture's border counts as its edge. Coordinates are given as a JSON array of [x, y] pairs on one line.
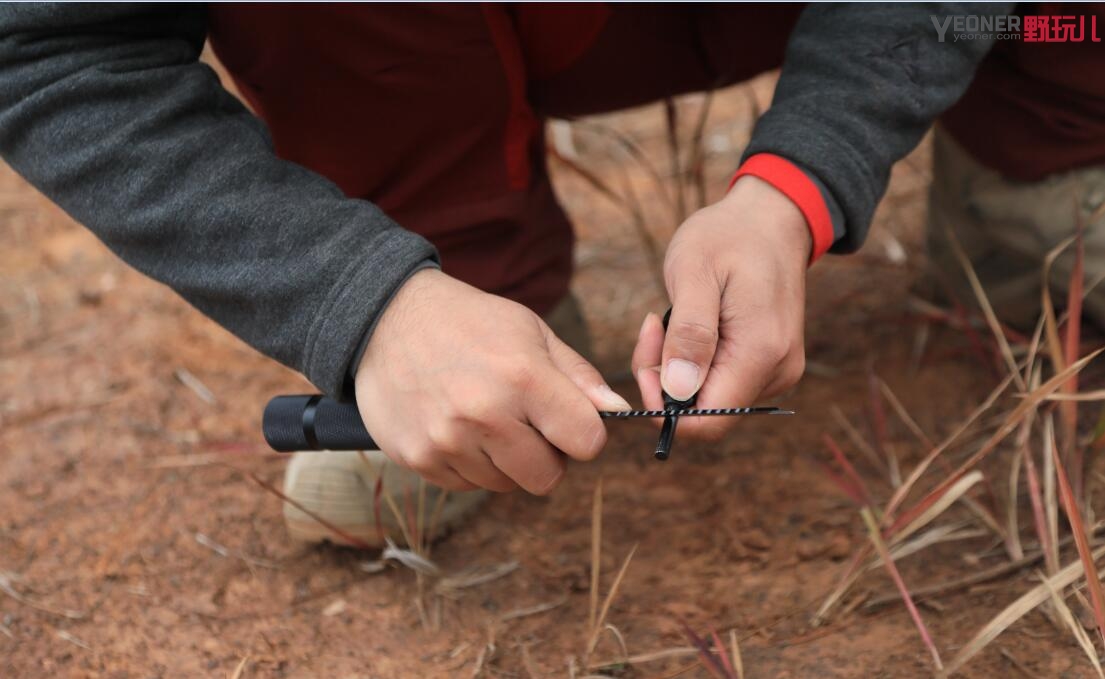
[[784, 221], [802, 190], [394, 311]]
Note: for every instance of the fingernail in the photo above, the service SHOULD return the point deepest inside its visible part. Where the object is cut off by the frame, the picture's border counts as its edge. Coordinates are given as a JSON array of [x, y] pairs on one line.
[[644, 324], [611, 400], [680, 379]]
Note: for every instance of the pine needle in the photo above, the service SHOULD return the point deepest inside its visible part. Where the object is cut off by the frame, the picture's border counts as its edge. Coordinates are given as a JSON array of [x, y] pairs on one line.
[[984, 304], [939, 506], [858, 441], [240, 668], [1051, 325], [726, 661], [1015, 611], [1082, 542], [1075, 627], [1068, 411], [351, 539], [1010, 423], [736, 650], [880, 546], [848, 469], [901, 493], [596, 554], [7, 588], [709, 661], [601, 620], [1013, 529], [1051, 504]]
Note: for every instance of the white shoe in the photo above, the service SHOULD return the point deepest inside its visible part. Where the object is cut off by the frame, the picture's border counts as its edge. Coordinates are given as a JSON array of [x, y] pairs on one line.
[[339, 486]]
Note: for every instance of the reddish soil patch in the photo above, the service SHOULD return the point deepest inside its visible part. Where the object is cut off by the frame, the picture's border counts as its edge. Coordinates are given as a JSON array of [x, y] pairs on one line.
[[110, 468]]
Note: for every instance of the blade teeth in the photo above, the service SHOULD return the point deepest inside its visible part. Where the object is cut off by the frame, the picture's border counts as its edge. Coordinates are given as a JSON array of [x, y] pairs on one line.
[[692, 412]]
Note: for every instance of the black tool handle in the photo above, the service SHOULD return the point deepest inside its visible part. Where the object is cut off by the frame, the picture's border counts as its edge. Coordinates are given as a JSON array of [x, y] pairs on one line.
[[667, 430], [669, 402], [314, 422]]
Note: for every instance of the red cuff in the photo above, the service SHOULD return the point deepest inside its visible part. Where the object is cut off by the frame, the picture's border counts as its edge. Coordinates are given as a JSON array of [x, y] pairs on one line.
[[794, 184]]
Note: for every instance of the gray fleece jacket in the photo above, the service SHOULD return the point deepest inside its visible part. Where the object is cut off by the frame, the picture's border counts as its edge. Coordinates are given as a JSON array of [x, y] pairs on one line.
[[107, 110]]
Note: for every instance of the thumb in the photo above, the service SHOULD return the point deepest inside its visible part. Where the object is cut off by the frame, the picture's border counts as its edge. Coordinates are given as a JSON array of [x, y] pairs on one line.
[[583, 375], [691, 337]]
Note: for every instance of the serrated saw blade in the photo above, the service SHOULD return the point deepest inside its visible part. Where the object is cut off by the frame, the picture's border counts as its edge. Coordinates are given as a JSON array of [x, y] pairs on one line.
[[694, 412]]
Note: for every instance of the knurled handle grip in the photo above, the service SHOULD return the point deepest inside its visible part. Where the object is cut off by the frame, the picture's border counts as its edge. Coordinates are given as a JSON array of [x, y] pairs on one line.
[[667, 430], [314, 422]]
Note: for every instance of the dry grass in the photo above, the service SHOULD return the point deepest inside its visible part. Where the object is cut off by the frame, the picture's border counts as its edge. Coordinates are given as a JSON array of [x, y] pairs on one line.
[[888, 561], [618, 150], [954, 477], [418, 527], [1021, 445], [952, 492], [948, 495], [1041, 418], [1015, 611], [596, 618]]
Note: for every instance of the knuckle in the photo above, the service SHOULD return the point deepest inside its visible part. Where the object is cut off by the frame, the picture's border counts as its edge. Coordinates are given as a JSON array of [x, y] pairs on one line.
[[548, 484], [769, 351], [694, 336], [478, 409], [423, 460], [518, 372], [597, 443], [443, 438], [795, 368], [580, 366], [591, 441]]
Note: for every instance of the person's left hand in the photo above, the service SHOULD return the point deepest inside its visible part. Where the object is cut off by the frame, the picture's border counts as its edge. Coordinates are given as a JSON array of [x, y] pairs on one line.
[[736, 275]]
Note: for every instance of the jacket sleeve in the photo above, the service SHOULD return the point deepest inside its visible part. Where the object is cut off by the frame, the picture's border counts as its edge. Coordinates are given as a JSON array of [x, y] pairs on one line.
[[107, 110], [861, 84]]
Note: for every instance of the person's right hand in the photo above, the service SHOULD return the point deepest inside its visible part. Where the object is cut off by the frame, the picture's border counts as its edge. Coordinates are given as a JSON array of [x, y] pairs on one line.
[[470, 390]]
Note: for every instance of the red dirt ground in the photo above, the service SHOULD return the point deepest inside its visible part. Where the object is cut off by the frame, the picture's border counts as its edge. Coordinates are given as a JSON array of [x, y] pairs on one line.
[[115, 479]]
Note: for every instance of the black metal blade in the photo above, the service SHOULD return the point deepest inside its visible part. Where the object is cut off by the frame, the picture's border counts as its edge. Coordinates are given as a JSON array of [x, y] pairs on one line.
[[694, 412]]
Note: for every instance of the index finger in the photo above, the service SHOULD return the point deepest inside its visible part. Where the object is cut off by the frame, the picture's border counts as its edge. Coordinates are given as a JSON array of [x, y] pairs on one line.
[[563, 414]]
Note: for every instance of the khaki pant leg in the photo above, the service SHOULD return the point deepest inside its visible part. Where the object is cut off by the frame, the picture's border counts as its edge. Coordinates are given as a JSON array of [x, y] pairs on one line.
[[1008, 227]]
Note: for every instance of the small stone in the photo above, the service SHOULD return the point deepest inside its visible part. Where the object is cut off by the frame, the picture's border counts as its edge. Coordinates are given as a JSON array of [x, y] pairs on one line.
[[667, 496], [839, 546], [754, 538], [811, 548], [205, 606]]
